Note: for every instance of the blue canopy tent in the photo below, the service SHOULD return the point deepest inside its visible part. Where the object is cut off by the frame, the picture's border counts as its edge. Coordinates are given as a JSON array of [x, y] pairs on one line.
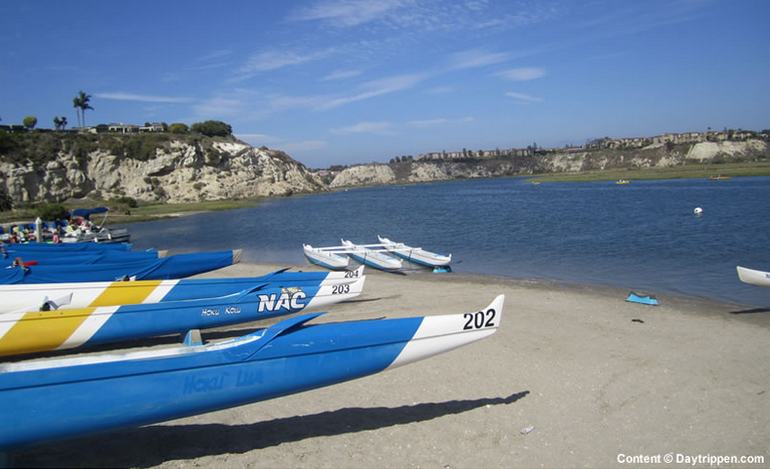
[[87, 212]]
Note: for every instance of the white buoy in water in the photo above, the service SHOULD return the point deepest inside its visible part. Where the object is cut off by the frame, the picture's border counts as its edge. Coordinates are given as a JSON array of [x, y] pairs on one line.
[[698, 211]]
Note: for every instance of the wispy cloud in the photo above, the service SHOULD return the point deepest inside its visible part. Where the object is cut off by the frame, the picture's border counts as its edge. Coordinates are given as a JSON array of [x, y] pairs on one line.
[[523, 98], [257, 139], [475, 58], [347, 12], [270, 60], [214, 55], [376, 88], [143, 98], [440, 90], [438, 121], [382, 128], [522, 73], [342, 74]]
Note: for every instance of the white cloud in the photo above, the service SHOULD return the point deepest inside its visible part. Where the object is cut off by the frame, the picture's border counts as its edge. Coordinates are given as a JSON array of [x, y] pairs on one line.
[[524, 98], [522, 73], [475, 58], [221, 106], [342, 74], [143, 98], [347, 12], [438, 121], [383, 128], [305, 145]]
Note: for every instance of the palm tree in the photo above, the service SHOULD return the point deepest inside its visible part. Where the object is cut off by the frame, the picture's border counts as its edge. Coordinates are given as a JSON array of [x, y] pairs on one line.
[[82, 102], [76, 105], [60, 123]]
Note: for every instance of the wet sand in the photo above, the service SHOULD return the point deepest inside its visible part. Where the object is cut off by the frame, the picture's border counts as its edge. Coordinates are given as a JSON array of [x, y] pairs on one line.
[[570, 361]]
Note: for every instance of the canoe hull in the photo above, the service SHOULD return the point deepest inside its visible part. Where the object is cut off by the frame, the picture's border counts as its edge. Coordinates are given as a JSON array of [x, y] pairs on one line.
[[74, 328], [417, 256], [91, 294], [76, 396], [326, 260], [754, 277], [371, 258], [171, 267]]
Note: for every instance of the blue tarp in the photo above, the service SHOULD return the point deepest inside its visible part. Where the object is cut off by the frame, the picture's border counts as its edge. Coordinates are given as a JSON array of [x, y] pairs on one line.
[[87, 212], [172, 267]]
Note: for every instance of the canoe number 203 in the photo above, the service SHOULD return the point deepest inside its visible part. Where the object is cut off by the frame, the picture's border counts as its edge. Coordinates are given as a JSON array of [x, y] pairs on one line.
[[340, 289], [479, 320]]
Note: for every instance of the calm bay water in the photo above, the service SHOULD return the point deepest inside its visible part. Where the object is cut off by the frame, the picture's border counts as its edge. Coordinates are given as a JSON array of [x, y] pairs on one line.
[[640, 236]]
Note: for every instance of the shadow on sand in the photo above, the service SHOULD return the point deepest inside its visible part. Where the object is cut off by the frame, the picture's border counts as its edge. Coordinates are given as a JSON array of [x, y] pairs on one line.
[[153, 445], [752, 311]]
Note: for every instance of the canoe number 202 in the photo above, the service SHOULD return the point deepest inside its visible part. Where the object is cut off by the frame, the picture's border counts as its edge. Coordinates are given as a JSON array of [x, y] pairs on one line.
[[479, 320]]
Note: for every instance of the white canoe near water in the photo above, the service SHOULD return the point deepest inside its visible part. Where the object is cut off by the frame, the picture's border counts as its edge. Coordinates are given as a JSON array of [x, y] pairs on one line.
[[372, 258], [753, 277], [329, 260], [416, 255]]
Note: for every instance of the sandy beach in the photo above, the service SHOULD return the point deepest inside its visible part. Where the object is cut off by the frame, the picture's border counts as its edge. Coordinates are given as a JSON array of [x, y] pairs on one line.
[[570, 379]]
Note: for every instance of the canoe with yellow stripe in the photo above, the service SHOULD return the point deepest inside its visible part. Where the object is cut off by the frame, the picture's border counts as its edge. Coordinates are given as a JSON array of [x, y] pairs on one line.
[[39, 331], [92, 294]]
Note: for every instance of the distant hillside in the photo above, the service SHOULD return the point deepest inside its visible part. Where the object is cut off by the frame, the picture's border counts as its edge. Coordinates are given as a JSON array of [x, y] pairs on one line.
[[55, 166], [550, 162]]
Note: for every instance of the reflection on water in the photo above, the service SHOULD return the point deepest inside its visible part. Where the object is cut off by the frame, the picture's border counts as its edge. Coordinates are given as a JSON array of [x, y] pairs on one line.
[[640, 236]]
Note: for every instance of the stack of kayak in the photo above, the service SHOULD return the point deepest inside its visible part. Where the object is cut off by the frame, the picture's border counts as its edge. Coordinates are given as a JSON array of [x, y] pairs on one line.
[[386, 255], [57, 298]]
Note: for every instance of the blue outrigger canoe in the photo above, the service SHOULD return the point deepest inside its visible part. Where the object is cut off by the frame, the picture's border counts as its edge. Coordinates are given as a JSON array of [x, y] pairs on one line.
[[66, 397], [68, 247], [43, 331], [90, 294], [67, 259], [171, 267]]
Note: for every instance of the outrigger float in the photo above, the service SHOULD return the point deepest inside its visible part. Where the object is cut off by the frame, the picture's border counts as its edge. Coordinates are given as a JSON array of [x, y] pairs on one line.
[[753, 277], [92, 294], [65, 397], [42, 331]]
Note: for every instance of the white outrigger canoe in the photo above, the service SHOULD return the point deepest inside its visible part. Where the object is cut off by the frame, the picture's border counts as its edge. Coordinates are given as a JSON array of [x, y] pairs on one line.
[[416, 255], [371, 257], [753, 277], [329, 260]]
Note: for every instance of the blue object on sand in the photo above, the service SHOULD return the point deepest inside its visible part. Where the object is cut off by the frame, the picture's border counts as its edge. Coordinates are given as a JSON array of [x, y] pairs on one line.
[[634, 297]]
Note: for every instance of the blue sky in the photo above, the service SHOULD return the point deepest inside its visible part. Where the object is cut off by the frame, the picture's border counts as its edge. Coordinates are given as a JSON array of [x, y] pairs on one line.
[[341, 81]]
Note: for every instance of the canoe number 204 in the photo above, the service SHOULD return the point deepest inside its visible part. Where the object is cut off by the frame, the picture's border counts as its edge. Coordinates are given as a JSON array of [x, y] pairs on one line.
[[479, 320]]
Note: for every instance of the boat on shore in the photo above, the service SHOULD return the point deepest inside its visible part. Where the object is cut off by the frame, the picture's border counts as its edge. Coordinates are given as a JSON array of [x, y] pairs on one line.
[[753, 277], [91, 294], [43, 331], [373, 258], [328, 260], [171, 267], [58, 398], [416, 255]]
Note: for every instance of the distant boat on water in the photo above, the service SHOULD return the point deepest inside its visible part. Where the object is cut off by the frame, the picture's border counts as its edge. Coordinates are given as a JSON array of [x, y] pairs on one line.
[[622, 181], [719, 177]]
